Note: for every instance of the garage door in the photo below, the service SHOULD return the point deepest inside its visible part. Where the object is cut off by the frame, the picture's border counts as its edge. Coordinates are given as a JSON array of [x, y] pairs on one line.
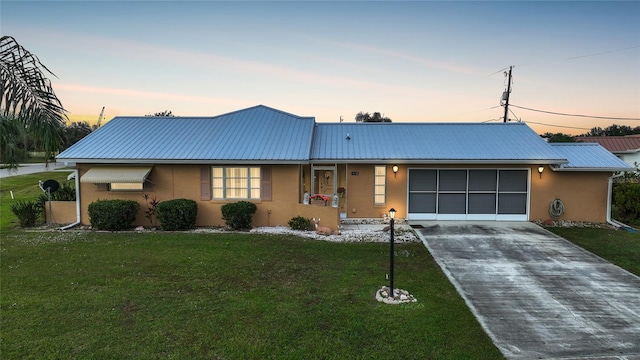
[[468, 194]]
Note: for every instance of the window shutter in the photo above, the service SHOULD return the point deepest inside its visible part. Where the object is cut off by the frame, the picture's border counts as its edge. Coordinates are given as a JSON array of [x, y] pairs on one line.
[[205, 183], [103, 187], [265, 183]]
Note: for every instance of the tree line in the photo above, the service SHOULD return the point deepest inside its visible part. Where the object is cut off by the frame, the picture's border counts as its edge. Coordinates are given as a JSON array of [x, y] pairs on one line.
[[613, 130]]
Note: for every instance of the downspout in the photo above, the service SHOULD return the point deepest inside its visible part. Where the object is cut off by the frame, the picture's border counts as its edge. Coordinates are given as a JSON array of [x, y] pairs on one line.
[[77, 178], [611, 221]]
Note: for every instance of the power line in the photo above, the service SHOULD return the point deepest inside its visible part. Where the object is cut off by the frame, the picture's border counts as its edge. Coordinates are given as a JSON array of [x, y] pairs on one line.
[[576, 115], [499, 71], [602, 53], [560, 126]]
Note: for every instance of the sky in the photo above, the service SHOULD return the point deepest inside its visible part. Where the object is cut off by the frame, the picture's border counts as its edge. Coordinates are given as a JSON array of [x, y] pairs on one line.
[[419, 61]]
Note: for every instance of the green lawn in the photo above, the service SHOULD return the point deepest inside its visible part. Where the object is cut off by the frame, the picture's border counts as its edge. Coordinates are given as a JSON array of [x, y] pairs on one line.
[[80, 295], [617, 246], [24, 187]]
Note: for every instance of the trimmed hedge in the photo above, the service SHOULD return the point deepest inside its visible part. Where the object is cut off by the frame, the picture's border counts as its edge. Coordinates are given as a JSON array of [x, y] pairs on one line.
[[113, 215], [177, 214], [627, 201], [238, 215]]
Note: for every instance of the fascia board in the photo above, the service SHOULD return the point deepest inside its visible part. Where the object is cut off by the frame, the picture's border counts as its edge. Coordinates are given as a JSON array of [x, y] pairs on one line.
[[182, 162], [443, 161], [592, 169]]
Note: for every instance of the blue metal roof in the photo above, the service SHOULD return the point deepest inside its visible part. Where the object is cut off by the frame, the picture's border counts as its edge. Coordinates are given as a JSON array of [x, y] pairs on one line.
[[261, 134], [256, 134], [589, 156], [431, 143]]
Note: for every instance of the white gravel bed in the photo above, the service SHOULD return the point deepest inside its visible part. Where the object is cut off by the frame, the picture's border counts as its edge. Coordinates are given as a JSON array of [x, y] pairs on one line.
[[359, 235]]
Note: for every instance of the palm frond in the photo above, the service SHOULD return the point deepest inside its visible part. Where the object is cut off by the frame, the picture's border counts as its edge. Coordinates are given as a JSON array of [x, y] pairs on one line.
[[24, 89], [26, 94]]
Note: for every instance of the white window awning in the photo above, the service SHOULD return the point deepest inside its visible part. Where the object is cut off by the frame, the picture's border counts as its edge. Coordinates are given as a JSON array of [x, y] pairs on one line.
[[112, 174]]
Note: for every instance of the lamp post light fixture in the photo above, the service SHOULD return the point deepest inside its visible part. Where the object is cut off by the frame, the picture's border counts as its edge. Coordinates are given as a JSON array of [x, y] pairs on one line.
[[392, 215], [540, 170]]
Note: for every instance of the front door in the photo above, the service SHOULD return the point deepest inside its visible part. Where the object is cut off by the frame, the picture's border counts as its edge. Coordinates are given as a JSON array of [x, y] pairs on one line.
[[324, 180]]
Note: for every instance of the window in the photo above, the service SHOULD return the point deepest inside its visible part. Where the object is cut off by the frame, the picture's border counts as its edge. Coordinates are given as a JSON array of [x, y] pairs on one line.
[[380, 185], [236, 182], [126, 186]]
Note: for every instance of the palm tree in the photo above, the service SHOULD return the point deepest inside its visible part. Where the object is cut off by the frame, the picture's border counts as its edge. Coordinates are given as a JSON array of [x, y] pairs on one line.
[[28, 103]]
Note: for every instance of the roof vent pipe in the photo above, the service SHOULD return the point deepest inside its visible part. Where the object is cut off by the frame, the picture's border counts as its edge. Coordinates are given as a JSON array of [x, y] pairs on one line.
[[348, 137]]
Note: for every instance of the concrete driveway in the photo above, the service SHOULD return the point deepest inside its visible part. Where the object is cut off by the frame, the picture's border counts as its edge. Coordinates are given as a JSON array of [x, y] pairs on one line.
[[537, 295]]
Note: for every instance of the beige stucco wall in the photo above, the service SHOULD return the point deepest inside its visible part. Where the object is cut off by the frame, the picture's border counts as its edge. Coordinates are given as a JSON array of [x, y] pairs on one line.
[[183, 181], [359, 203], [584, 194], [62, 212]]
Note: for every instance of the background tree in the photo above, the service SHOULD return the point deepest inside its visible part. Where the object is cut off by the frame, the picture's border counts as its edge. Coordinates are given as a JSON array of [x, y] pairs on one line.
[[366, 117], [613, 130], [11, 130], [75, 132], [558, 137], [27, 102], [162, 113]]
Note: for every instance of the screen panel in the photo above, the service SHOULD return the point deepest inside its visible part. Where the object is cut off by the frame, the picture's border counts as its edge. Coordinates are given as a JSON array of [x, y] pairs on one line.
[[422, 203], [453, 180], [513, 180], [452, 204], [483, 180], [423, 180]]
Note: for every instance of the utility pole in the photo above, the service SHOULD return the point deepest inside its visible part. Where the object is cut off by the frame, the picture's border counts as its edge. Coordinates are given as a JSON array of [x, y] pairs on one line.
[[505, 96]]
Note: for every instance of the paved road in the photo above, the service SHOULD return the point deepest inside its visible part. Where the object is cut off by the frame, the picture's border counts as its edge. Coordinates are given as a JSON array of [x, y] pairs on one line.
[[537, 295], [31, 169]]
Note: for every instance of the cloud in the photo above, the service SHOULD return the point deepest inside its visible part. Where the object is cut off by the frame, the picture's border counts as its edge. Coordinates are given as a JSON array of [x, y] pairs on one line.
[[276, 72]]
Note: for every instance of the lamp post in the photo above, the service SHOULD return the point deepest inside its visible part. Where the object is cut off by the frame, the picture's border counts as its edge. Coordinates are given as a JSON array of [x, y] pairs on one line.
[[392, 215]]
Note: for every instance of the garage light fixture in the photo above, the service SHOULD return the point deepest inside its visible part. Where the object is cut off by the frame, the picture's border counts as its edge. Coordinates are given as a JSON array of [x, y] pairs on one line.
[[540, 170], [395, 170]]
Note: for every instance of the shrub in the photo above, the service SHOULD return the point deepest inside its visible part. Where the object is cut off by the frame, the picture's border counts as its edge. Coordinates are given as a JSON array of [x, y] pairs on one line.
[[627, 200], [65, 193], [301, 223], [238, 215], [177, 214], [152, 205], [27, 212], [113, 215]]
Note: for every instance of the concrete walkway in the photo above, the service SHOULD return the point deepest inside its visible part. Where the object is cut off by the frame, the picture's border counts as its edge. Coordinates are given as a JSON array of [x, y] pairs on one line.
[[537, 295]]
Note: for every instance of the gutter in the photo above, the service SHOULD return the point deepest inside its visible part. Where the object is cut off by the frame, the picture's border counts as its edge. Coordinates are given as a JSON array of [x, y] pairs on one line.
[[611, 221], [77, 179]]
